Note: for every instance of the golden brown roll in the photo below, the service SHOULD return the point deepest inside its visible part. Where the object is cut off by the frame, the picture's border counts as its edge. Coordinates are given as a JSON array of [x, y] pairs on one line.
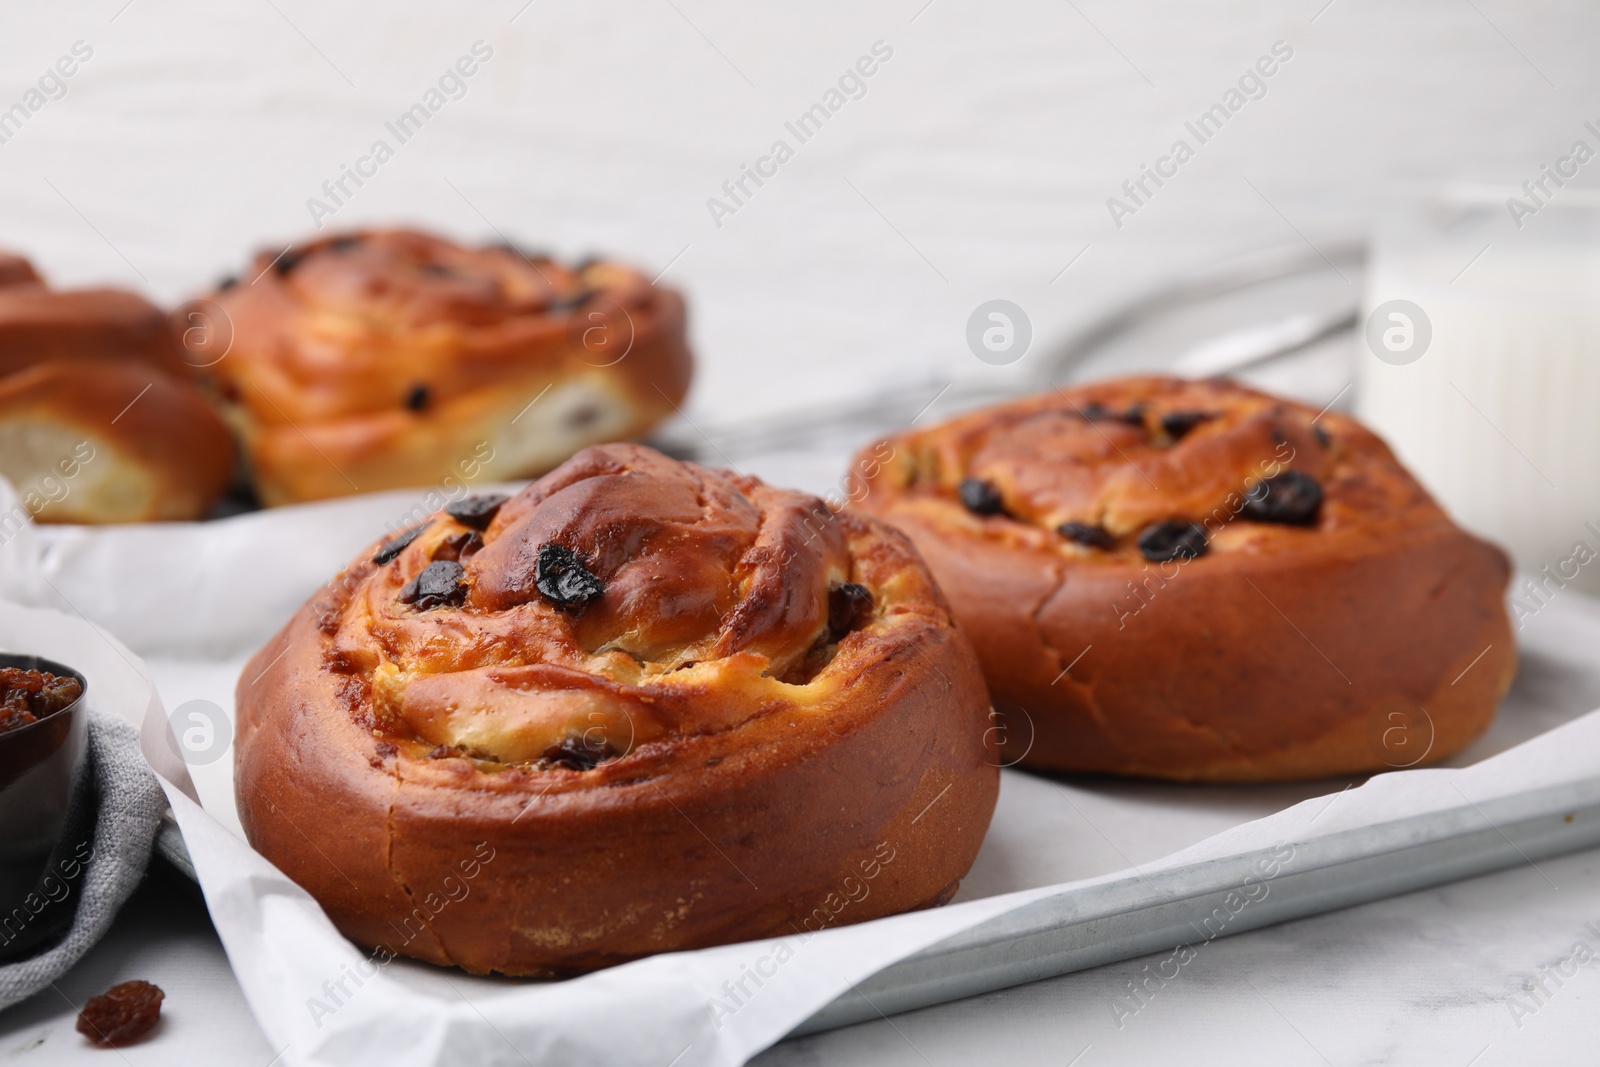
[[15, 270], [94, 441], [98, 422], [1195, 580], [389, 359], [641, 706], [39, 324]]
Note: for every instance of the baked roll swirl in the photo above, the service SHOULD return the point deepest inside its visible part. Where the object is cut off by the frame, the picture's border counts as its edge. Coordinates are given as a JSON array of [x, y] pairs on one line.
[[98, 419], [39, 324], [1195, 580], [389, 359], [647, 705]]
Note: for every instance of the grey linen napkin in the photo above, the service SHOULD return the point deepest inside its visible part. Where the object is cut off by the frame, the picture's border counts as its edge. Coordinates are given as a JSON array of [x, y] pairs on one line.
[[125, 805]]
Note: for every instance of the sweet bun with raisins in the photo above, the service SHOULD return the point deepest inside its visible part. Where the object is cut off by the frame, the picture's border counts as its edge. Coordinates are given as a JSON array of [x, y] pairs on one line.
[[390, 358], [643, 706], [98, 420], [1195, 580]]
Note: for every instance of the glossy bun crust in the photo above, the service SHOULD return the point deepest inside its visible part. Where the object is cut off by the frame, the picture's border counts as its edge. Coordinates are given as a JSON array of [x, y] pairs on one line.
[[98, 420], [389, 359], [1198, 581], [648, 707]]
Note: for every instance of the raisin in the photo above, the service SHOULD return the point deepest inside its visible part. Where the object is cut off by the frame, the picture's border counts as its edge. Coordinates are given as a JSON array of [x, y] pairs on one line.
[[122, 1014], [26, 696], [439, 270], [1292, 498], [1177, 424], [58, 693], [344, 244], [582, 418], [981, 497], [1095, 411], [1163, 541], [15, 718], [391, 549], [563, 579], [417, 399], [571, 300], [476, 511], [227, 281], [849, 607], [459, 546], [288, 262], [1085, 534], [579, 753], [439, 585], [1322, 435]]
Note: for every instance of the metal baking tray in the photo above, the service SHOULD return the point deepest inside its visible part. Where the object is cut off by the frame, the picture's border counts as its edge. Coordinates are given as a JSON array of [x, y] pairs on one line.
[[1145, 913]]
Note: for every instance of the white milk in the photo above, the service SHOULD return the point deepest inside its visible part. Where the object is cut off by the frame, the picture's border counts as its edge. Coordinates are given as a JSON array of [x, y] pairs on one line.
[[1500, 415]]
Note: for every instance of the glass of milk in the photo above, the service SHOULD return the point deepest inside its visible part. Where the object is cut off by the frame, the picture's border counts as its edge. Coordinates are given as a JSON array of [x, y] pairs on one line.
[[1479, 362]]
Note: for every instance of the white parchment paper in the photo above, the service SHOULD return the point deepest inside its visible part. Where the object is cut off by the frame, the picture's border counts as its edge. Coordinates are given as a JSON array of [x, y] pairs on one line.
[[197, 599]]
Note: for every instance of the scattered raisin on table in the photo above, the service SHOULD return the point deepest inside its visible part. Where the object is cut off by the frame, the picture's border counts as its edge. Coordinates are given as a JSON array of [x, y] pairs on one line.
[[563, 579], [122, 1014]]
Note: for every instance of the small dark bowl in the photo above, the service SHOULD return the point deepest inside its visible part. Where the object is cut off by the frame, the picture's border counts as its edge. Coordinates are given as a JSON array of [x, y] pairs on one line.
[[44, 819]]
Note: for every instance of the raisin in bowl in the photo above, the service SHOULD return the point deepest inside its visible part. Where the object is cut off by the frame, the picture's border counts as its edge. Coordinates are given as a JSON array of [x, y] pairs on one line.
[[43, 746]]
